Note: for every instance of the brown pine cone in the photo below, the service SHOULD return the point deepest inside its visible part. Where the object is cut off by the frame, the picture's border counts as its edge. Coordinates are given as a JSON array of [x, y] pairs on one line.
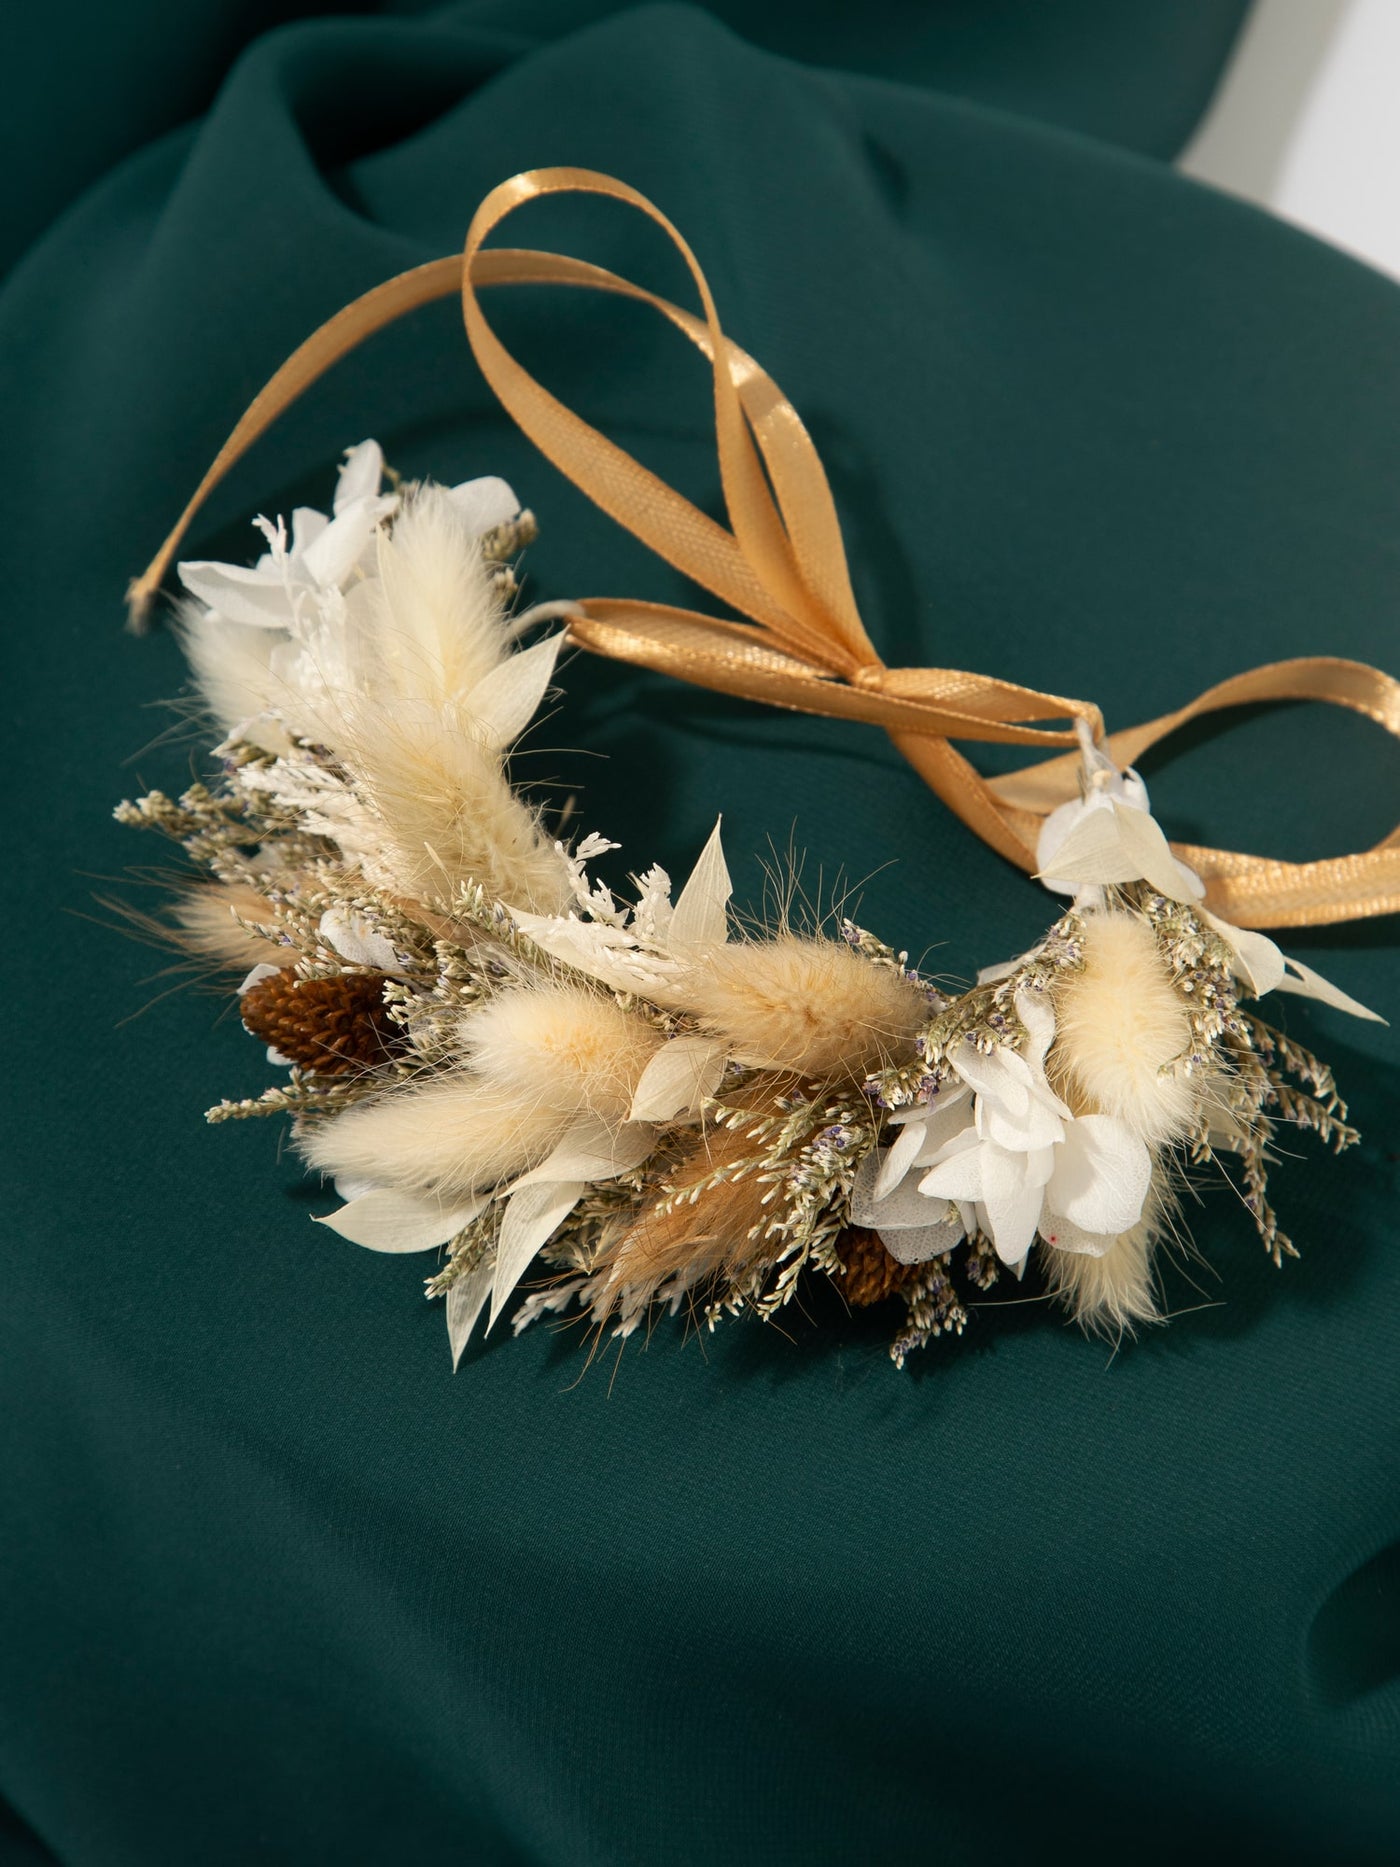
[[871, 1273], [335, 1026]]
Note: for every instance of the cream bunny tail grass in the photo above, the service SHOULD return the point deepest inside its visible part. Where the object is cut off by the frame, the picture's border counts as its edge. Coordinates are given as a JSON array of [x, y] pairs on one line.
[[1120, 1027], [424, 749], [440, 627], [450, 1135], [1111, 1294], [811, 1007], [537, 1061], [562, 1048], [443, 816], [231, 663], [422, 730]]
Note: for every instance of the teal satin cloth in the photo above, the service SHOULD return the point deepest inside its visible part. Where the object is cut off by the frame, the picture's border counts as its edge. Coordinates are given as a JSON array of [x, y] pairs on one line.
[[275, 1585]]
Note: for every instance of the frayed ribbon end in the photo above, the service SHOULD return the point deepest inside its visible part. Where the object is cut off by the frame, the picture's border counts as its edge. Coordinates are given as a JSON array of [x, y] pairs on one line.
[[140, 594]]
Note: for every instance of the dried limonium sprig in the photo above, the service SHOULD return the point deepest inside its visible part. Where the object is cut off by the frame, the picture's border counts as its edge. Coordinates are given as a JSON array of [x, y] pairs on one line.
[[622, 1105]]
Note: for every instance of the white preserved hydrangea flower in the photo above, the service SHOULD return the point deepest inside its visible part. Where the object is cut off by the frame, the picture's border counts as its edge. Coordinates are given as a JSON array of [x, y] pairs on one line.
[[321, 554], [1001, 1153]]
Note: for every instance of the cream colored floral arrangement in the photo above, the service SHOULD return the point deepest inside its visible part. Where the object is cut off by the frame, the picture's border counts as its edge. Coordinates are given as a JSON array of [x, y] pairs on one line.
[[625, 1106]]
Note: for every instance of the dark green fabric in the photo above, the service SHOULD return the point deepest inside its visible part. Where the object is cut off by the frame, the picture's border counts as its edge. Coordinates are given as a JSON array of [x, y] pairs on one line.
[[78, 93], [276, 1585]]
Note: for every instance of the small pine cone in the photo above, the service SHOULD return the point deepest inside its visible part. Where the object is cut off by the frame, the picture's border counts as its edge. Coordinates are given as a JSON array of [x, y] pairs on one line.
[[871, 1273], [334, 1026]]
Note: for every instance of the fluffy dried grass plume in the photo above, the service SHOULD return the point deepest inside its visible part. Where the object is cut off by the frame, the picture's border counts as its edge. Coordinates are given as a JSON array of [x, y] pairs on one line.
[[562, 1048], [231, 663], [452, 1135], [808, 1007], [684, 1238], [539, 1060], [1109, 1295], [444, 815], [209, 917], [439, 627], [1119, 1025]]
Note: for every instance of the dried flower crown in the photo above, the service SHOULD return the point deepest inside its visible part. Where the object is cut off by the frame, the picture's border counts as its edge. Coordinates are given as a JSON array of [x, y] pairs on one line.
[[622, 1103]]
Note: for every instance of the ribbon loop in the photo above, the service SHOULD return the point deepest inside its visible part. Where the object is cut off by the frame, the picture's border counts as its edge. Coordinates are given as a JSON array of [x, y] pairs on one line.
[[781, 563]]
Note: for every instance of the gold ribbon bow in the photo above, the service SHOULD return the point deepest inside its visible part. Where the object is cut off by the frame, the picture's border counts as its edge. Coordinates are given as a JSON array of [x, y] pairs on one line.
[[783, 565]]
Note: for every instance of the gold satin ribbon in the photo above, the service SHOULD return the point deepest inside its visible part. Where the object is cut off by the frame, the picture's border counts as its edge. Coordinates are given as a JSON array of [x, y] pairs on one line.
[[783, 565]]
